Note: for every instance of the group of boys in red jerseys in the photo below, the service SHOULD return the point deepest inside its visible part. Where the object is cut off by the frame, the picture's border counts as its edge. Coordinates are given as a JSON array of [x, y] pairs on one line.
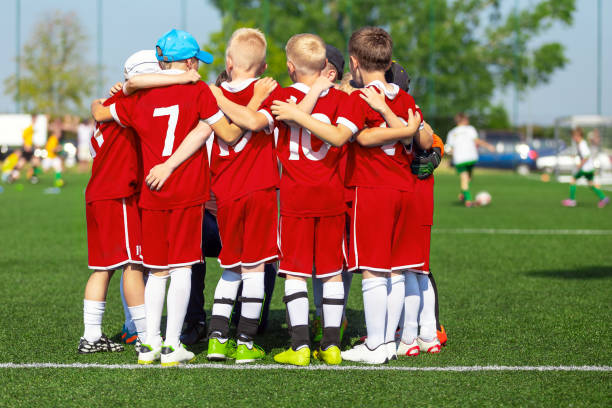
[[367, 155]]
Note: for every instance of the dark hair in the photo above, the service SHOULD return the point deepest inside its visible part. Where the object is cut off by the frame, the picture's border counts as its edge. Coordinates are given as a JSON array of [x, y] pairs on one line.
[[372, 47], [222, 78]]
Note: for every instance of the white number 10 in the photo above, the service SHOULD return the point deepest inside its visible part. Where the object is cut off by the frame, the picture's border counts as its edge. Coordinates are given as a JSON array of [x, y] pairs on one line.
[[172, 112]]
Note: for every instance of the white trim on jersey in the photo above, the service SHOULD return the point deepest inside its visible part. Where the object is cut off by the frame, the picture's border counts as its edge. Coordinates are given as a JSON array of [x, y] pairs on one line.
[[170, 266], [241, 86], [240, 263], [355, 230], [344, 121], [305, 89], [389, 94], [113, 112], [270, 120], [115, 266], [214, 118], [399, 268], [125, 230]]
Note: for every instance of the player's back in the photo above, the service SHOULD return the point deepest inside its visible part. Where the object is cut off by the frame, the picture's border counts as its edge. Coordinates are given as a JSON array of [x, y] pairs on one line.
[[311, 183], [378, 166], [250, 164], [162, 118], [116, 170]]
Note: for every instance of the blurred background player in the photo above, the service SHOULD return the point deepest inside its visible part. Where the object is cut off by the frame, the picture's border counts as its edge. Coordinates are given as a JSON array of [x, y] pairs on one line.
[[84, 131], [52, 148], [585, 169], [462, 143]]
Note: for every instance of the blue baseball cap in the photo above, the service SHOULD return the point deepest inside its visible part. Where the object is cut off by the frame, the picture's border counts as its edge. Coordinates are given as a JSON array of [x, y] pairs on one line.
[[178, 45]]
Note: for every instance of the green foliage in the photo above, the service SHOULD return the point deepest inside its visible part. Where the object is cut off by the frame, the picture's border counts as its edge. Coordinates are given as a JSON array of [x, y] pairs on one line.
[[55, 78], [457, 51]]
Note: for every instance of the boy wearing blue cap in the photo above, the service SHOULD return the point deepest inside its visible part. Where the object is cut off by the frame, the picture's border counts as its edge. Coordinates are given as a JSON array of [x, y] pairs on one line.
[[163, 117]]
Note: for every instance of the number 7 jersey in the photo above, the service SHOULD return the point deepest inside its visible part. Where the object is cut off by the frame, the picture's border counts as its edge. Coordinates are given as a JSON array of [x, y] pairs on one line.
[[162, 118], [311, 183]]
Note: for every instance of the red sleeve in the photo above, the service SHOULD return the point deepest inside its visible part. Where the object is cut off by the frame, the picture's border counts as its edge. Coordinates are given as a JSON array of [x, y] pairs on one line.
[[352, 112], [412, 105], [207, 105], [123, 110]]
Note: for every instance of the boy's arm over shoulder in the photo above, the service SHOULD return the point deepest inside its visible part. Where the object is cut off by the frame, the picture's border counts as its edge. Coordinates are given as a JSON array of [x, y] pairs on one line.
[[211, 114], [334, 135], [146, 81], [242, 116]]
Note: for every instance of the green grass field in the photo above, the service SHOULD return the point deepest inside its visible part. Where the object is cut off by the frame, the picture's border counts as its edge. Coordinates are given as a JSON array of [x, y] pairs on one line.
[[521, 299]]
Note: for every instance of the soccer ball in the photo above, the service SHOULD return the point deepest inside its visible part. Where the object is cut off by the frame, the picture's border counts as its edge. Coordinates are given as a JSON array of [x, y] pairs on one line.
[[483, 198]]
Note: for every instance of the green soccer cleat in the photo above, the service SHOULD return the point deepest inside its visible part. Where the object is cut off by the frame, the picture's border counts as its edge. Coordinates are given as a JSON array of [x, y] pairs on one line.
[[218, 351], [244, 354], [330, 356], [300, 357], [317, 329]]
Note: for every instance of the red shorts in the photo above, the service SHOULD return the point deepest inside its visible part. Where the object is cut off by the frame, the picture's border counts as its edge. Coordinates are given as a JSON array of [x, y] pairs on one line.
[[172, 238], [385, 231], [425, 247], [312, 241], [248, 230], [113, 233]]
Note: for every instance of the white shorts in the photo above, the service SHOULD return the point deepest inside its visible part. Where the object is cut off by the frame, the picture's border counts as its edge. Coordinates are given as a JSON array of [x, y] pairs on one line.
[[55, 163]]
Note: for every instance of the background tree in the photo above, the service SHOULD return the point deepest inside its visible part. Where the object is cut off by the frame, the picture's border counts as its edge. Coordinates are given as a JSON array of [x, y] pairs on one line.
[[55, 78], [458, 52]]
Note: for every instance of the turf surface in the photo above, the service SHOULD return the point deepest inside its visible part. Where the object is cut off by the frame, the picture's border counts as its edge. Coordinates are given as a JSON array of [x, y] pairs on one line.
[[512, 300]]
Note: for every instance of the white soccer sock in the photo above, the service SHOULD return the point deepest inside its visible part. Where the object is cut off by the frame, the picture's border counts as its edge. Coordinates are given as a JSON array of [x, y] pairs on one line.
[[298, 308], [427, 314], [227, 288], [176, 304], [139, 319], [332, 314], [129, 323], [395, 305], [155, 293], [92, 318], [252, 287], [412, 301], [375, 310]]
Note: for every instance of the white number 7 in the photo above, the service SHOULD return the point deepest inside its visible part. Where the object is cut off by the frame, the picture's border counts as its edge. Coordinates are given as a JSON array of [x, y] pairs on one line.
[[172, 112]]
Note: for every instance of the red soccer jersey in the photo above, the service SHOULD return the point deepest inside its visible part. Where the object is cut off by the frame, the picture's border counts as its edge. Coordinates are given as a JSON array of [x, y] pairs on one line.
[[117, 168], [381, 166], [162, 117], [250, 164], [310, 185]]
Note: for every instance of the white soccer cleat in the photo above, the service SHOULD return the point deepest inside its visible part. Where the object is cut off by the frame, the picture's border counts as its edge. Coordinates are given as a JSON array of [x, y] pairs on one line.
[[148, 354], [391, 350], [430, 347], [362, 354], [408, 350], [171, 357]]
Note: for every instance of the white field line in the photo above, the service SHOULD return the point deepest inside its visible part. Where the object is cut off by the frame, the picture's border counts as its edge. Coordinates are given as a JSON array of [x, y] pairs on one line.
[[310, 368], [516, 231]]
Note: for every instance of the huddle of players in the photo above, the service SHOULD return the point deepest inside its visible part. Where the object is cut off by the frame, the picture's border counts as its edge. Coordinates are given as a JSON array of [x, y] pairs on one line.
[[366, 155]]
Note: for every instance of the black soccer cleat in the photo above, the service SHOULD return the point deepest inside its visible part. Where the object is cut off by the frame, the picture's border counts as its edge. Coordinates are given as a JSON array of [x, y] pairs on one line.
[[102, 345]]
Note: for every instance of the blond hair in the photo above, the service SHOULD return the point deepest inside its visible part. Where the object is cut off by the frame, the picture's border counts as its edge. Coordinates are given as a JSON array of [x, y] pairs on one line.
[[247, 48], [307, 53]]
